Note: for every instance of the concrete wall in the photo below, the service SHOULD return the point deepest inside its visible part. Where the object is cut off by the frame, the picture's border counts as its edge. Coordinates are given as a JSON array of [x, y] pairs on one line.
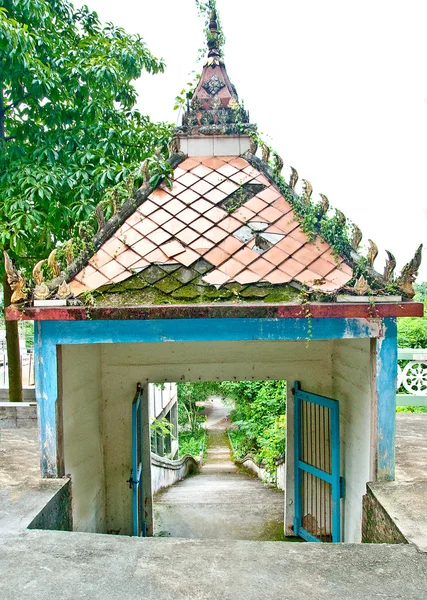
[[82, 434], [28, 394], [261, 473], [351, 385], [57, 513], [165, 473], [378, 527], [18, 414]]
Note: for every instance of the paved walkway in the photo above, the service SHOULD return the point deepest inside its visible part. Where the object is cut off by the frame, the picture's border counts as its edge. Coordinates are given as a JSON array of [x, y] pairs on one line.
[[404, 500], [219, 502]]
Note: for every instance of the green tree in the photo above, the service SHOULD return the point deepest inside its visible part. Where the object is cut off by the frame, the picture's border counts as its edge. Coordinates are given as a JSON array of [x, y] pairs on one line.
[[68, 128]]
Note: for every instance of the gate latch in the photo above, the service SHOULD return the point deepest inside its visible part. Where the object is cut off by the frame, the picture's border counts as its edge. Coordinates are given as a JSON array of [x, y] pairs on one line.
[[131, 481]]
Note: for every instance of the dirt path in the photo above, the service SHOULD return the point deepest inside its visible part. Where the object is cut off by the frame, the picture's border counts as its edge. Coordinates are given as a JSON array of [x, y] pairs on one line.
[[220, 502]]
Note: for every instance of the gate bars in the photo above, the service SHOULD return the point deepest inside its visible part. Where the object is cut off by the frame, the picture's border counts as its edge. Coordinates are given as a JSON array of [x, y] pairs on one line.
[[318, 486]]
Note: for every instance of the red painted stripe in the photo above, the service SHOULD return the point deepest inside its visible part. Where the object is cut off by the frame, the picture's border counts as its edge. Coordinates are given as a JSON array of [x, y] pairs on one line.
[[219, 311]]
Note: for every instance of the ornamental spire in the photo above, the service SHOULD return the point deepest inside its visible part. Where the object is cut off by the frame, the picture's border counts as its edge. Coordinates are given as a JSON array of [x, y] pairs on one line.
[[213, 37]]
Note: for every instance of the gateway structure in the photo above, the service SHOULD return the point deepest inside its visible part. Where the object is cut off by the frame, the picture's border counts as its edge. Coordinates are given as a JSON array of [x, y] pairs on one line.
[[228, 273]]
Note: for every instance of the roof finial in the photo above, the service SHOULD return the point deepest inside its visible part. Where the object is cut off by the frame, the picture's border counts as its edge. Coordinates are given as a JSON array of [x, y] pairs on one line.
[[213, 37]]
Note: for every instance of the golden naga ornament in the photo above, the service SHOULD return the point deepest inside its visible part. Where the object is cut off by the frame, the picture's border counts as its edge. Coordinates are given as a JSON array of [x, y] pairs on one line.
[[409, 274], [307, 190], [15, 280], [390, 265], [372, 253], [361, 287], [356, 238], [265, 153], [64, 291], [41, 291], [294, 178], [324, 205], [53, 263]]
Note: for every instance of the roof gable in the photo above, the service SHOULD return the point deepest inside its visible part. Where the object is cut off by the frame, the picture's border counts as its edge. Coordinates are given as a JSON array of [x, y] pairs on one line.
[[226, 211]]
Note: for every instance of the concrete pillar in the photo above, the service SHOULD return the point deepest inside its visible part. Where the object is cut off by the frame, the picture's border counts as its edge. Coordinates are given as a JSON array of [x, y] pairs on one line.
[[146, 463], [384, 361]]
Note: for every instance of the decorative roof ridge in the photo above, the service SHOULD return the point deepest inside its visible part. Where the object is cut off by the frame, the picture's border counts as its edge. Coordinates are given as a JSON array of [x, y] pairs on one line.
[[116, 221], [359, 264]]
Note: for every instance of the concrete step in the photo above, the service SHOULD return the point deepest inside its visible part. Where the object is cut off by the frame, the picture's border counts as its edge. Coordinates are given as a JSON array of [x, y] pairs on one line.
[[42, 565]]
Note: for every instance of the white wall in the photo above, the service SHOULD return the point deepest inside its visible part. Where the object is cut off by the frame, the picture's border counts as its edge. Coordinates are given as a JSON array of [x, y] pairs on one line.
[[82, 434], [351, 380]]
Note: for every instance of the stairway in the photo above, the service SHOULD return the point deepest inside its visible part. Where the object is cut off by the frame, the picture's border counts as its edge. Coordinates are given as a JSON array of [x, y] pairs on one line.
[[220, 502]]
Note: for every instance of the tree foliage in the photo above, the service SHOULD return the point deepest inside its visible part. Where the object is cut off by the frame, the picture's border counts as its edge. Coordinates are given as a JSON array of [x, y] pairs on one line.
[[68, 126]]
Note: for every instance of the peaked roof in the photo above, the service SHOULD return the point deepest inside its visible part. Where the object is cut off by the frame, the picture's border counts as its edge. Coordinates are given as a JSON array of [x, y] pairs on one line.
[[224, 210]]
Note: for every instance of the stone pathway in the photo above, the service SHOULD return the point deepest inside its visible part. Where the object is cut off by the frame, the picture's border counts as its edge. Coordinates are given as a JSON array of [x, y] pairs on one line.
[[220, 502]]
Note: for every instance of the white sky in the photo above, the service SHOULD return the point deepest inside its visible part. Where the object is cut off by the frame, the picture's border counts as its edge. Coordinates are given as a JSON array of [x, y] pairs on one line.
[[339, 87]]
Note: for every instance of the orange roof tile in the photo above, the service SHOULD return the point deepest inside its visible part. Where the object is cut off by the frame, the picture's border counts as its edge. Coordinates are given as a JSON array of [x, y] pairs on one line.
[[252, 240]]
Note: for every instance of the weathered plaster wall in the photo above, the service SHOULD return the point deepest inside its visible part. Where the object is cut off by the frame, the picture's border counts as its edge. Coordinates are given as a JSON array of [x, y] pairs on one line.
[[351, 385], [123, 365], [378, 527], [83, 444], [18, 414]]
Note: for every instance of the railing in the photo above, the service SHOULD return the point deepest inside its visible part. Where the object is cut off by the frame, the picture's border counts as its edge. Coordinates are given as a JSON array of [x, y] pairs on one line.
[[412, 377], [27, 368]]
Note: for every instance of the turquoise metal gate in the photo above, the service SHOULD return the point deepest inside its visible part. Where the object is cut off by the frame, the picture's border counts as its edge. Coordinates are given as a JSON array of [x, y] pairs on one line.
[[135, 481], [318, 486]]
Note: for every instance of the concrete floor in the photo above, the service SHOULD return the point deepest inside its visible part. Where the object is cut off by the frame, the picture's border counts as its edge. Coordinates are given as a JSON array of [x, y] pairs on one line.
[[49, 565], [405, 499], [219, 502]]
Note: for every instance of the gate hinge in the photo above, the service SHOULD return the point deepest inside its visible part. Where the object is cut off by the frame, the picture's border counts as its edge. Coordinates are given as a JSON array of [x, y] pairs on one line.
[[342, 487]]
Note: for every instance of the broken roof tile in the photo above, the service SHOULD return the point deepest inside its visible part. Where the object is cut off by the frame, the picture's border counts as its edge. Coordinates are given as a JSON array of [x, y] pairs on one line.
[[157, 256], [201, 245], [173, 248], [188, 257], [187, 235], [216, 278], [228, 187], [307, 277], [215, 196], [95, 281], [240, 178], [263, 179], [247, 276]]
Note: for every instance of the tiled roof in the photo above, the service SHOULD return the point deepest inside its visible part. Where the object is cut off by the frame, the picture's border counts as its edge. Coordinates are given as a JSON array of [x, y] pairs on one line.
[[226, 211]]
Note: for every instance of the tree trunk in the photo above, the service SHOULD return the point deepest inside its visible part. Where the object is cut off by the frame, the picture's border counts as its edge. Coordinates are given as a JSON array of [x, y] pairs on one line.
[[13, 351]]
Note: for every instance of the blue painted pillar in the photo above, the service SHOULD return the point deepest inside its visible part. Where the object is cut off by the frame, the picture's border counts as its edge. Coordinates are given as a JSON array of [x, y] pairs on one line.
[[385, 382], [46, 384]]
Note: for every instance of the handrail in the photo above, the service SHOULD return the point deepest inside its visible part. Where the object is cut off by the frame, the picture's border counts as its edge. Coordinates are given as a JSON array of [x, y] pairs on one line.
[[412, 377]]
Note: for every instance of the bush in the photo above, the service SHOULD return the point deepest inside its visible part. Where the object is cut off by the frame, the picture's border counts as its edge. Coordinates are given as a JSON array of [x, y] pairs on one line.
[[192, 443]]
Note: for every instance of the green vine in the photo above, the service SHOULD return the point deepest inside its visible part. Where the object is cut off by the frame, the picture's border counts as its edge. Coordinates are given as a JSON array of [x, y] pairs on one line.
[[204, 10]]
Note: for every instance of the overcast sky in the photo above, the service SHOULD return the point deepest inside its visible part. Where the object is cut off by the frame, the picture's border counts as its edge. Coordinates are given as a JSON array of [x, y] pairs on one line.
[[340, 88]]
